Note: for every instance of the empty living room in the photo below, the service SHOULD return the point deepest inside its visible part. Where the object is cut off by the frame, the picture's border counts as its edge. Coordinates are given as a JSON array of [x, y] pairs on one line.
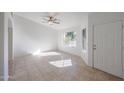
[[61, 46]]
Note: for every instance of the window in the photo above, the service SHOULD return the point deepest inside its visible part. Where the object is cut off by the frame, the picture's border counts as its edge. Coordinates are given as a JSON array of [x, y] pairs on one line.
[[84, 38], [70, 39]]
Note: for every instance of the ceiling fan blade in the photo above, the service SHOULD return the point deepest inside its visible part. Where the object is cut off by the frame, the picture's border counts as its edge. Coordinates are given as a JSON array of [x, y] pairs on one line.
[[55, 19], [56, 22]]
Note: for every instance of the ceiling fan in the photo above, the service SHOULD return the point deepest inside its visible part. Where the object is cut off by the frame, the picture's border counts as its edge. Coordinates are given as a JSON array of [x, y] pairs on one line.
[[50, 20]]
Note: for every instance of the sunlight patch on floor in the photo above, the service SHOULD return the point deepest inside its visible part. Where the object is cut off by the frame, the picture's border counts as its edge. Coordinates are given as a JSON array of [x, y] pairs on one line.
[[61, 63], [36, 52], [49, 54], [39, 53]]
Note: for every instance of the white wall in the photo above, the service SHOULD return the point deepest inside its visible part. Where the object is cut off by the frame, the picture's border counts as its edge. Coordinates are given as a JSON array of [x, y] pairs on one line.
[[30, 36], [78, 49], [100, 18]]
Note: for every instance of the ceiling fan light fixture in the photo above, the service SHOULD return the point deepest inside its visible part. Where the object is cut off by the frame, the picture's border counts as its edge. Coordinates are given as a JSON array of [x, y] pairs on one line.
[[50, 22]]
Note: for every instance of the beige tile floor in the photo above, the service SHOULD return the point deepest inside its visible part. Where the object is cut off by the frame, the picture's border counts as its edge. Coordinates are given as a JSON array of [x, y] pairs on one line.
[[55, 66]]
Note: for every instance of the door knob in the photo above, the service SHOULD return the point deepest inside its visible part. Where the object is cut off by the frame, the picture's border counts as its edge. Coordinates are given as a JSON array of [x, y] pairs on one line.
[[94, 46]]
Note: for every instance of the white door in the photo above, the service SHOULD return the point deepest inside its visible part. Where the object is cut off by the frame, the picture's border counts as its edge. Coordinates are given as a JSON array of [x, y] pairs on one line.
[[108, 48]]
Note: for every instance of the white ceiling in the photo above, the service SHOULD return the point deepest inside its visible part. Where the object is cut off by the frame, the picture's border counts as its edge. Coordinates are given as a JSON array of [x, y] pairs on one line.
[[68, 19]]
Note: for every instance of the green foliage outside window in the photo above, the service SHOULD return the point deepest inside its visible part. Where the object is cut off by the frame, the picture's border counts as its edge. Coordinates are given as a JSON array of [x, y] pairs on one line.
[[70, 37]]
